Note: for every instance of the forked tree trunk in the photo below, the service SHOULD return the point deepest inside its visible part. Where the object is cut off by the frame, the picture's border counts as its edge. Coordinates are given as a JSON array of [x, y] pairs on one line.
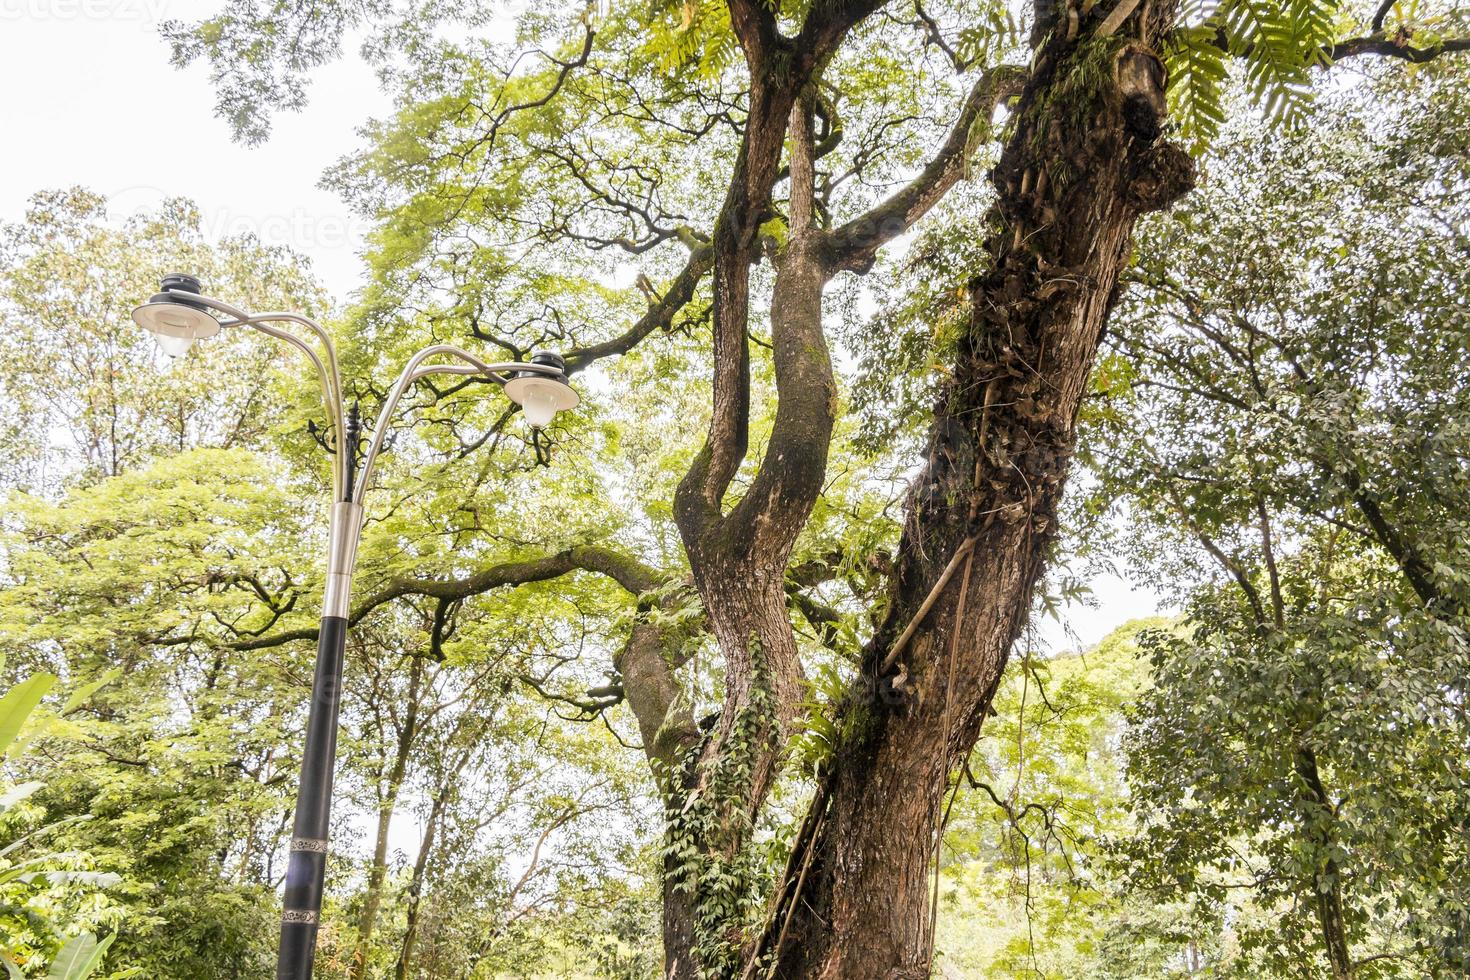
[[1083, 163], [738, 557]]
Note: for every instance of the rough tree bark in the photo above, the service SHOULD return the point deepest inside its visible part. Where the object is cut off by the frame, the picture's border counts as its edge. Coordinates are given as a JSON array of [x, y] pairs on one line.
[[670, 736], [739, 558], [1082, 164]]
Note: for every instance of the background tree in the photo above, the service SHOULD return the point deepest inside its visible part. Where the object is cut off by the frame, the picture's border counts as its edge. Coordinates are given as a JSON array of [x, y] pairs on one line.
[[47, 897], [1026, 888], [1283, 417], [83, 383]]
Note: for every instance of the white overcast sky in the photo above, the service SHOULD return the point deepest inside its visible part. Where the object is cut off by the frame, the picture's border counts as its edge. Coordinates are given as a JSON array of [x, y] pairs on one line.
[[87, 97]]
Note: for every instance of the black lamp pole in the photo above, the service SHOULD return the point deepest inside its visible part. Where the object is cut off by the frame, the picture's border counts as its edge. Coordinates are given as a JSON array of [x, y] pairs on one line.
[[308, 861], [306, 866]]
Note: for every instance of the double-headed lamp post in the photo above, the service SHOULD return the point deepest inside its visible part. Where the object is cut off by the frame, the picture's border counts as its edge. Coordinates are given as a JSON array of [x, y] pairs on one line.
[[177, 316]]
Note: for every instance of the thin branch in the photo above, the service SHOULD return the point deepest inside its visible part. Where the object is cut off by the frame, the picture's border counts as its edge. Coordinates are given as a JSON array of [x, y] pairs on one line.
[[1381, 13], [1278, 608], [1382, 45], [936, 36], [1394, 47]]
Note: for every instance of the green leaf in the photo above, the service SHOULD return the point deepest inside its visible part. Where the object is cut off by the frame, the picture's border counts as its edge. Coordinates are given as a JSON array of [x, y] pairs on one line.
[[1196, 84], [81, 694], [79, 958], [18, 704]]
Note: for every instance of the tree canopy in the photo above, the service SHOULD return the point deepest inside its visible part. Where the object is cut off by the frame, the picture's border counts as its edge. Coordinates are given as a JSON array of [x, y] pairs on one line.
[[731, 672]]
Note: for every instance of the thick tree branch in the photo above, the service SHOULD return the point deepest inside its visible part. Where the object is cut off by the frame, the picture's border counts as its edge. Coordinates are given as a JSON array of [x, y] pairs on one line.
[[854, 245], [659, 316], [1416, 571], [1247, 587], [822, 617], [774, 509], [801, 207], [827, 23], [1378, 43], [632, 574], [1268, 552], [1394, 47], [780, 68], [593, 702], [697, 503], [754, 24]]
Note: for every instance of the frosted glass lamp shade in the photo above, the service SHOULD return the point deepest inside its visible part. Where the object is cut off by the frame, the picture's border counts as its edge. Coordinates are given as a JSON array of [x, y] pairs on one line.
[[540, 397], [174, 325]]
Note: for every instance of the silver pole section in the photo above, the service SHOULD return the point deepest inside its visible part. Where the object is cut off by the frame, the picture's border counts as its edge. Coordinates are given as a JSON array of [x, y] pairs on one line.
[[342, 557]]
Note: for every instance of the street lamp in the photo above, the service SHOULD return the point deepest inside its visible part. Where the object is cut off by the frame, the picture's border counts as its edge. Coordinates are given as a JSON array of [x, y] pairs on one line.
[[177, 316]]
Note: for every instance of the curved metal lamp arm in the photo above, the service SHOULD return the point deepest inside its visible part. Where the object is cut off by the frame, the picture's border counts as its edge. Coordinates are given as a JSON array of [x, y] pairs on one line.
[[413, 371], [328, 373], [333, 371]]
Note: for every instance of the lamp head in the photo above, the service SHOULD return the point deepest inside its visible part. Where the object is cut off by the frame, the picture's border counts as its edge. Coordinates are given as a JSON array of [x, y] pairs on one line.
[[174, 320], [541, 396]]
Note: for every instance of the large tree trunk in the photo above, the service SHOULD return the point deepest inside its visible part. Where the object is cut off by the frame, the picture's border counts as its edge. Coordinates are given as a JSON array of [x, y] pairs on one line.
[[1080, 167], [670, 738], [739, 556]]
